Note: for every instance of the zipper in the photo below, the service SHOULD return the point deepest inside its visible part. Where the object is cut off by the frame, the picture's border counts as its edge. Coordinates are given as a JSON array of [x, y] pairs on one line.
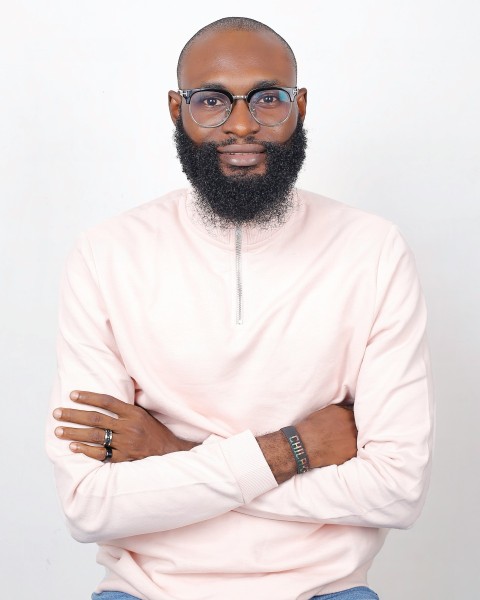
[[238, 274]]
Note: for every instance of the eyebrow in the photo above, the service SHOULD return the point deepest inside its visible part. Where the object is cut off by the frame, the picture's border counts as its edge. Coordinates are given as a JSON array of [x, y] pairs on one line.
[[214, 85]]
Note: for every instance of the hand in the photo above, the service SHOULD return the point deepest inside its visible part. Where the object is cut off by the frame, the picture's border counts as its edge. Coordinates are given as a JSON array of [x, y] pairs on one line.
[[329, 435], [136, 434]]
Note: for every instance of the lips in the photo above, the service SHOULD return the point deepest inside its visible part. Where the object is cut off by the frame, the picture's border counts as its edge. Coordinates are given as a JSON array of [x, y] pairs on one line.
[[242, 155]]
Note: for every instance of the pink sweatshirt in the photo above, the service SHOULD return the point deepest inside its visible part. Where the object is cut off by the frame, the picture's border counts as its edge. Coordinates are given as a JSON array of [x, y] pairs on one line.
[[225, 336]]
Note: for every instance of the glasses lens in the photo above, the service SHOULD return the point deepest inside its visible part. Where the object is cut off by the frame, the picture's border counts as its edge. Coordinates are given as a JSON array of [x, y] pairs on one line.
[[270, 107], [209, 108]]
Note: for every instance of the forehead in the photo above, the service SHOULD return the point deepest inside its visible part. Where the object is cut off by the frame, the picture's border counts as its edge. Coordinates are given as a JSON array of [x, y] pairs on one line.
[[238, 60]]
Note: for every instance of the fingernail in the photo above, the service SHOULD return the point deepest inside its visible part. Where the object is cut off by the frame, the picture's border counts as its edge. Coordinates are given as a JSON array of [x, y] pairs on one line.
[[57, 413], [75, 395], [74, 447], [59, 431]]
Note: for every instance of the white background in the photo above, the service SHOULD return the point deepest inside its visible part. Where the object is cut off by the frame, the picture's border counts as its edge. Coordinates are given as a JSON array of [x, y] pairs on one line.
[[394, 128]]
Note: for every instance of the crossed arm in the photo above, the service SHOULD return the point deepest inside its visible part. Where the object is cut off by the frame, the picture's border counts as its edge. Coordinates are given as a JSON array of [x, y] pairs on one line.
[[329, 435]]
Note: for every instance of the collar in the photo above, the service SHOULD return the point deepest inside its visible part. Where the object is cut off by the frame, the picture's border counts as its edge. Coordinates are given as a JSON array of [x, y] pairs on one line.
[[252, 235]]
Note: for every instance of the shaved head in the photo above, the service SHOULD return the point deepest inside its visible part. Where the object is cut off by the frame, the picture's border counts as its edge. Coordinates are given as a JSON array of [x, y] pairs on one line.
[[232, 24]]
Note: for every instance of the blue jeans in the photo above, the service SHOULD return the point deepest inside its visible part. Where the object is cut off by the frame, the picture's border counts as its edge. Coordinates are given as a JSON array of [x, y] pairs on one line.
[[357, 593], [112, 596]]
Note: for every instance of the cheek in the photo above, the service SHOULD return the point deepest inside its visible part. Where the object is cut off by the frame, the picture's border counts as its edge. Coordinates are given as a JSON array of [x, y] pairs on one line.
[[279, 133], [196, 133], [280, 136], [282, 133]]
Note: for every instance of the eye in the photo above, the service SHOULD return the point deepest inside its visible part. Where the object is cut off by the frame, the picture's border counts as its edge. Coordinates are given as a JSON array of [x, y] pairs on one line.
[[210, 100], [268, 98]]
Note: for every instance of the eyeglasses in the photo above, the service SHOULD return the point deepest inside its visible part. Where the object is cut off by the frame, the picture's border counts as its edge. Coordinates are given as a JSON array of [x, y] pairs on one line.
[[211, 108]]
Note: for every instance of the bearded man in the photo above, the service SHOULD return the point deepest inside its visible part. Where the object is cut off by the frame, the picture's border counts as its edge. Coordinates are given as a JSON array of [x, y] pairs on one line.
[[246, 360]]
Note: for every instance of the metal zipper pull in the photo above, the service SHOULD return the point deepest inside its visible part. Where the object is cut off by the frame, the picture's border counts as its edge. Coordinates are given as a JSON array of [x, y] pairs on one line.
[[238, 274]]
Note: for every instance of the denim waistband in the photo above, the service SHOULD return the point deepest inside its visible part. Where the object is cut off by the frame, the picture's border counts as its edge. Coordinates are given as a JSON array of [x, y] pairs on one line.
[[113, 596], [356, 593]]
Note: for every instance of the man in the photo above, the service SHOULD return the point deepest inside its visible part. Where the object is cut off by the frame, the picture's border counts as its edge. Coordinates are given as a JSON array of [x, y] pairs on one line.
[[195, 328]]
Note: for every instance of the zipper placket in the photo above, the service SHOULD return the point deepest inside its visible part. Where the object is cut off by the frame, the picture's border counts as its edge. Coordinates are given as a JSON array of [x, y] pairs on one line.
[[238, 274]]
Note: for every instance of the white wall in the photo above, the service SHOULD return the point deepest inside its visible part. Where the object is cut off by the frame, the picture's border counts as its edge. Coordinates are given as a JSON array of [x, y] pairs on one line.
[[84, 134]]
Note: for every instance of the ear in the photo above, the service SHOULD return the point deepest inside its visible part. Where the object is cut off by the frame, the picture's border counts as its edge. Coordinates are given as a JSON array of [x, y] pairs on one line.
[[302, 102], [174, 104]]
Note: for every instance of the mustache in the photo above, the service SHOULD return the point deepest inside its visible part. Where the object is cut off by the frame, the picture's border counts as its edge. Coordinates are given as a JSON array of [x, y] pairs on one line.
[[236, 142]]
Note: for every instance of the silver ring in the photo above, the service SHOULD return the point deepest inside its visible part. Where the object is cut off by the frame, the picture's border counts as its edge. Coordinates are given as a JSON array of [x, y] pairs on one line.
[[108, 454], [107, 440]]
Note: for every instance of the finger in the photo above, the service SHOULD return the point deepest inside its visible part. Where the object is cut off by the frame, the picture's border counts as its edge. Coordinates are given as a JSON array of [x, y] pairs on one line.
[[104, 401], [81, 434], [89, 418], [96, 452]]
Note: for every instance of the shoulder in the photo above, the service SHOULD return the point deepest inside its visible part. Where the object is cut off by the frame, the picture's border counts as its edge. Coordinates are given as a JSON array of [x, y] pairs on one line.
[[323, 209], [129, 237], [138, 222], [349, 231]]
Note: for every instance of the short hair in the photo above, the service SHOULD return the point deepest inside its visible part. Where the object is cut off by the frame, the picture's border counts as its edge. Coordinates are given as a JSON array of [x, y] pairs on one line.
[[233, 24]]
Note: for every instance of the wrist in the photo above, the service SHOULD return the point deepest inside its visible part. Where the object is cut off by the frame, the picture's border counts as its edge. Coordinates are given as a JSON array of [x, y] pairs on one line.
[[313, 446], [278, 455], [297, 448], [176, 444], [186, 445]]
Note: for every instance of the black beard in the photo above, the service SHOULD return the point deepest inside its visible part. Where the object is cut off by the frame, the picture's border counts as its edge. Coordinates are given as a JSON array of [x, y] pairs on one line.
[[226, 200]]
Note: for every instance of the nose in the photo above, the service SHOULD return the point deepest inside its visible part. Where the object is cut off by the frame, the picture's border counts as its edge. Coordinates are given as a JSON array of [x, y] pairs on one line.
[[240, 122]]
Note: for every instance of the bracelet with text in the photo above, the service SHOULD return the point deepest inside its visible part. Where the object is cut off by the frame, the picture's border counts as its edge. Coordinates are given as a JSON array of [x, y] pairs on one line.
[[297, 447]]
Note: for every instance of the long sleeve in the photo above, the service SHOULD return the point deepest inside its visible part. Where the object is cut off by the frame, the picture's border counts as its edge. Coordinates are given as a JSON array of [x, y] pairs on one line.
[[385, 485], [109, 501]]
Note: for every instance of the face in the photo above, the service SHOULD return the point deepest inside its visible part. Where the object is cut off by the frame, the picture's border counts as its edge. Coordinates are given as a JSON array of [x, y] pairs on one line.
[[241, 171], [239, 61]]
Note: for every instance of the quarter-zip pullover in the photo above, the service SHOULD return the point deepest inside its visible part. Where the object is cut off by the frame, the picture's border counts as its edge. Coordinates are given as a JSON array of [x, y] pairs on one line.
[[225, 335]]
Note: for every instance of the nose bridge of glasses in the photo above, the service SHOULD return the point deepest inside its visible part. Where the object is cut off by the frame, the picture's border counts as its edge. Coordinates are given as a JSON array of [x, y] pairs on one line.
[[234, 102], [242, 97]]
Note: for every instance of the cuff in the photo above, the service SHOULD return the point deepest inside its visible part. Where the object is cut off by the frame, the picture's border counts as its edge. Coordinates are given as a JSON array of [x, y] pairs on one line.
[[248, 465]]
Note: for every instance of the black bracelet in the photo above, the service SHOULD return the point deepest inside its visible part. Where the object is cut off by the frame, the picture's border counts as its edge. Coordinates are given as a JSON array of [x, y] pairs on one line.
[[297, 447]]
